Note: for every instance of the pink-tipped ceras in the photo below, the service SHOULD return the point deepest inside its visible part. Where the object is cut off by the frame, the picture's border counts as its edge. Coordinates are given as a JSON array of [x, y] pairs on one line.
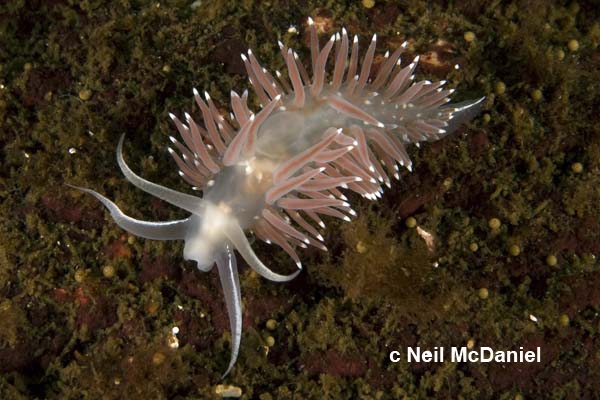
[[276, 172]]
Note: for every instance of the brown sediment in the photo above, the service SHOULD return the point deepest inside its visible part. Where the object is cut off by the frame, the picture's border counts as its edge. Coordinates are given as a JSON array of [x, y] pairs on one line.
[[516, 167]]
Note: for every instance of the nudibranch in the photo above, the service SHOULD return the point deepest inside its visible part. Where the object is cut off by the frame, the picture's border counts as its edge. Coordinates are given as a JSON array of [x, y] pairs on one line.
[[276, 172]]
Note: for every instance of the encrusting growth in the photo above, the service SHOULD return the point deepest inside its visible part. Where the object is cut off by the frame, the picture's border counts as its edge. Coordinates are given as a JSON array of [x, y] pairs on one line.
[[276, 172]]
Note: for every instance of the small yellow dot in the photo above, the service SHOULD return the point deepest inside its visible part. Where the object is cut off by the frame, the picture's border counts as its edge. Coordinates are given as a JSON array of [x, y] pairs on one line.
[[27, 67], [158, 358], [271, 324], [500, 88], [5, 305], [361, 247], [85, 94], [131, 239], [368, 3], [487, 118], [152, 308], [551, 260], [563, 320], [108, 271], [270, 341], [519, 396], [494, 223], [483, 293], [469, 36], [514, 250], [574, 7], [473, 247], [536, 95], [80, 275], [470, 343], [560, 54], [577, 167], [411, 222], [166, 68], [573, 45]]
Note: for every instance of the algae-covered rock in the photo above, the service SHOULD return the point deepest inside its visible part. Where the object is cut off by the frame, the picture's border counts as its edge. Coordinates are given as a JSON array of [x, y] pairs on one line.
[[492, 240]]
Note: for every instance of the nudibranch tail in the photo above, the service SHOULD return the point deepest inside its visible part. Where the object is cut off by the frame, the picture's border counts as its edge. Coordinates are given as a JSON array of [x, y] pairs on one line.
[[463, 112], [276, 172]]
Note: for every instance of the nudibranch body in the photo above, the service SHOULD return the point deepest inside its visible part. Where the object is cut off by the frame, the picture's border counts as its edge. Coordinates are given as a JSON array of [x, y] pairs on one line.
[[274, 173]]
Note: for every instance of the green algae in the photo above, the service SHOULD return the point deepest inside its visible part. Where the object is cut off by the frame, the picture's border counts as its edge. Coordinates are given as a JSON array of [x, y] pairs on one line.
[[379, 288], [377, 264]]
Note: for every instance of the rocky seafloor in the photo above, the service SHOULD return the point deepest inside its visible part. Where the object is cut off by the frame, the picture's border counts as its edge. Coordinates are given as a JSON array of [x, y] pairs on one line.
[[492, 240]]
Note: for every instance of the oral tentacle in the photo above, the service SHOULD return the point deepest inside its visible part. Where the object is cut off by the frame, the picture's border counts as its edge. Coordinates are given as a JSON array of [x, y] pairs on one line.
[[187, 202], [237, 237], [168, 230], [228, 273]]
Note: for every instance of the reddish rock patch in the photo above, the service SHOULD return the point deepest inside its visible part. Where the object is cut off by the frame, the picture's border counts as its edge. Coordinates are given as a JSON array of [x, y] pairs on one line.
[[97, 312], [118, 249], [158, 267], [336, 364], [61, 208]]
